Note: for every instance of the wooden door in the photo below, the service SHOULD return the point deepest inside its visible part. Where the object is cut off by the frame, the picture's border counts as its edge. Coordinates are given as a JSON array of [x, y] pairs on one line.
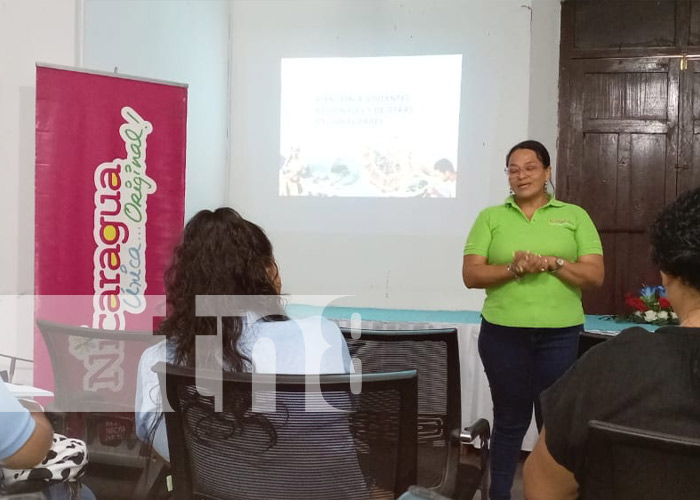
[[618, 159], [689, 149]]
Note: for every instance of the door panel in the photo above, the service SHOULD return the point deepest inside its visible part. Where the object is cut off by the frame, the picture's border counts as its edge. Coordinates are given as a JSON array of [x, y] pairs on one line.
[[606, 24], [599, 178], [629, 115], [646, 185], [694, 23], [629, 94], [689, 158], [621, 162]]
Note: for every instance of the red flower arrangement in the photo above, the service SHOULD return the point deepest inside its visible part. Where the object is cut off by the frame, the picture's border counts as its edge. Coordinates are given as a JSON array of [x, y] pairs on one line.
[[650, 306]]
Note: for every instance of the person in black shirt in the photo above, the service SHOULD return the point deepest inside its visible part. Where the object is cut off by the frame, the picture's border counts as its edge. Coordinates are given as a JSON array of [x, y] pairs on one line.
[[639, 379]]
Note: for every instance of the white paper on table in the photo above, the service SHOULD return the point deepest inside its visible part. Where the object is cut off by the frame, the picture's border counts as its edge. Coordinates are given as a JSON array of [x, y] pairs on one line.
[[27, 391]]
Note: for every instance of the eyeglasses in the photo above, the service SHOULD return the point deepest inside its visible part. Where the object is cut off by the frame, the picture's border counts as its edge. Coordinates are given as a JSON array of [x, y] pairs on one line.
[[527, 170]]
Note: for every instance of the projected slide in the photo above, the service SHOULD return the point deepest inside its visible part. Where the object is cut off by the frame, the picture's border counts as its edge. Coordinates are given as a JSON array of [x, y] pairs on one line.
[[370, 126]]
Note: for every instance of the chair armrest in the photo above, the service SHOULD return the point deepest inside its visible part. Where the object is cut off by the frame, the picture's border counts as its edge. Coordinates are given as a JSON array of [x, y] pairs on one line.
[[480, 429], [420, 493], [451, 485], [448, 485]]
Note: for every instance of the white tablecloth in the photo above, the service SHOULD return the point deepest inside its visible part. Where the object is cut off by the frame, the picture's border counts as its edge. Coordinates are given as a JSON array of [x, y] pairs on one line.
[[476, 397]]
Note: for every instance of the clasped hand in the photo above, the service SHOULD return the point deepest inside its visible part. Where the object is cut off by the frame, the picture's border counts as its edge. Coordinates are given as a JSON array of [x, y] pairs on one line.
[[529, 263]]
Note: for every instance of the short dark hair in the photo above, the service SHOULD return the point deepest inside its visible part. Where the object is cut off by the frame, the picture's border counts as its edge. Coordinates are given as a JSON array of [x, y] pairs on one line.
[[675, 239], [537, 147], [444, 165]]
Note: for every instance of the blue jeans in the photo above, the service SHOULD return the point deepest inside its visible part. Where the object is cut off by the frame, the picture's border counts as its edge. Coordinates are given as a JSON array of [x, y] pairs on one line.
[[520, 363]]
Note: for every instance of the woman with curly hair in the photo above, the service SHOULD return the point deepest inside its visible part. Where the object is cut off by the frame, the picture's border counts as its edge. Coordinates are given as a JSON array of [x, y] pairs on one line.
[[222, 254], [639, 379]]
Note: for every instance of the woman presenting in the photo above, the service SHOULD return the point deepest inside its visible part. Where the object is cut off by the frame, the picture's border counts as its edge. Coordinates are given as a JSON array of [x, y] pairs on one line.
[[533, 254]]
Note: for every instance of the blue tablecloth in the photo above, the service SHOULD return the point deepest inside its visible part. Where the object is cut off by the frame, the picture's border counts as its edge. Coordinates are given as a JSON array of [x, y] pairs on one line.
[[593, 323], [605, 324]]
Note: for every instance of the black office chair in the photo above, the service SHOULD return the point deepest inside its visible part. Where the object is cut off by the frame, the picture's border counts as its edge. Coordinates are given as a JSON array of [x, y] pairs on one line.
[[280, 438], [120, 466], [434, 354], [625, 463]]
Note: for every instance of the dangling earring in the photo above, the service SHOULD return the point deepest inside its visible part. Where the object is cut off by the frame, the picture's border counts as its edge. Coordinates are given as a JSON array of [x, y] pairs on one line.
[[510, 191], [545, 187]]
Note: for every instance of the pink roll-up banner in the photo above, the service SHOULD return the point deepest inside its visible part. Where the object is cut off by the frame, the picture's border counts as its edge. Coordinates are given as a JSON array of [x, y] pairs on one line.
[[110, 187]]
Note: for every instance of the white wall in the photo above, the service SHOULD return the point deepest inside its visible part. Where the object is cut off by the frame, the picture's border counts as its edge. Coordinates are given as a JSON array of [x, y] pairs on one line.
[[30, 31], [503, 60], [544, 74], [25, 38], [183, 41], [515, 77]]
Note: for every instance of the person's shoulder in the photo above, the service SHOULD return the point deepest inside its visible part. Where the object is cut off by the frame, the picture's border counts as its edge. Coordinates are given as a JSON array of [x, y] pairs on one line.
[[693, 332], [306, 324], [314, 321], [158, 347], [494, 209], [631, 333], [319, 324], [155, 353], [607, 365], [265, 328], [570, 207], [629, 336], [613, 352], [674, 337], [641, 337], [493, 213]]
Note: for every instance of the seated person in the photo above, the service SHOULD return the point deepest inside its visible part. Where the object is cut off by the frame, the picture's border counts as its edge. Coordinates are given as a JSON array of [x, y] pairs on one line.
[[616, 382], [223, 254], [26, 438], [444, 182]]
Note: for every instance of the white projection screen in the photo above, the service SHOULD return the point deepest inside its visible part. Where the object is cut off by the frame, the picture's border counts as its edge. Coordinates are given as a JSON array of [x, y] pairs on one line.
[[370, 126], [341, 110]]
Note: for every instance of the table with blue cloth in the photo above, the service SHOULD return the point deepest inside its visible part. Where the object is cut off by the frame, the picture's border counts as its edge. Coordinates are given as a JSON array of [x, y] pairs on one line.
[[476, 397], [597, 329]]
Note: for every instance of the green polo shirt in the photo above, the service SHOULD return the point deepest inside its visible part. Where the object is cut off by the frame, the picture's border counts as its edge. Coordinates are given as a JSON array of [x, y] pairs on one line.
[[538, 300]]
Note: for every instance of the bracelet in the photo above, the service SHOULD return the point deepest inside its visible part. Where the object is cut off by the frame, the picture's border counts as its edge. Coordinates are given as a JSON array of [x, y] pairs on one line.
[[509, 268]]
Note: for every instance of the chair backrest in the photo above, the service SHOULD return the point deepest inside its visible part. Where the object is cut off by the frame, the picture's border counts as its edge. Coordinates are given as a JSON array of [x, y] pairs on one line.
[[434, 354], [101, 414], [279, 437], [112, 357], [9, 375], [625, 463]]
